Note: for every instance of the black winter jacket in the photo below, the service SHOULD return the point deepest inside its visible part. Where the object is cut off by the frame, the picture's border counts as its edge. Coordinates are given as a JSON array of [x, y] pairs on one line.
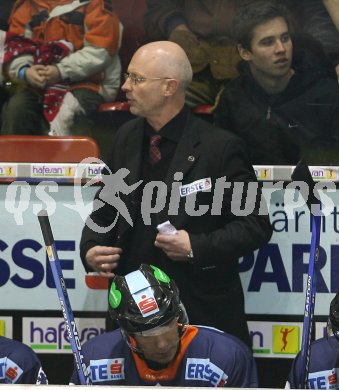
[[303, 120]]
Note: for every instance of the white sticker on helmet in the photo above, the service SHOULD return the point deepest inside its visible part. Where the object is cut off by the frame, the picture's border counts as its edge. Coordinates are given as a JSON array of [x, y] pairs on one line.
[[142, 293]]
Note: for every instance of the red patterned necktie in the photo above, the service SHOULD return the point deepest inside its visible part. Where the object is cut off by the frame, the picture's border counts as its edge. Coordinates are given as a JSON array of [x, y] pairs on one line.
[[154, 151]]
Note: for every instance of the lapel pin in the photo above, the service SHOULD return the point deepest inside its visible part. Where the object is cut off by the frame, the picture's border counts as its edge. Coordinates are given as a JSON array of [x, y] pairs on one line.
[[190, 158]]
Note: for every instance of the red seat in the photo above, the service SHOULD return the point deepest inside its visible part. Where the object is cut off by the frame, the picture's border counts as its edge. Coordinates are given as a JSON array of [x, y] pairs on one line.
[[32, 148], [96, 282], [113, 106], [203, 109]]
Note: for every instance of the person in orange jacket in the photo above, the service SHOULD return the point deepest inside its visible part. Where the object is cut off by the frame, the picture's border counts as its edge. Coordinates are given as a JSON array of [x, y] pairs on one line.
[[76, 82]]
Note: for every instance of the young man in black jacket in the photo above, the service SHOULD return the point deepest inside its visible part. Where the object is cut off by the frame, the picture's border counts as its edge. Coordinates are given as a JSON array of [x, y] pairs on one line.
[[285, 104]]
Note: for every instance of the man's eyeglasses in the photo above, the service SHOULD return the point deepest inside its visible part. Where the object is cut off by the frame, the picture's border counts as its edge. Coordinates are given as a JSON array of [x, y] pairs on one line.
[[140, 79]]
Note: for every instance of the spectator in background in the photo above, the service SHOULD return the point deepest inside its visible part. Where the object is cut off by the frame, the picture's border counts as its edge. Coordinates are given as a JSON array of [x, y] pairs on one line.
[[324, 357], [295, 8], [66, 53], [190, 159], [321, 19], [19, 364], [155, 346], [285, 104], [5, 10], [3, 96], [203, 29]]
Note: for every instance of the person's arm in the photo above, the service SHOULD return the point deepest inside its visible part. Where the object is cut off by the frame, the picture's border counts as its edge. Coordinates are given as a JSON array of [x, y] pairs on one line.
[[329, 124], [332, 7], [34, 375], [177, 246], [98, 250], [162, 17], [222, 117], [240, 234], [293, 376], [19, 18], [19, 24], [5, 10], [244, 372], [27, 363], [101, 43], [233, 357], [166, 19], [34, 75]]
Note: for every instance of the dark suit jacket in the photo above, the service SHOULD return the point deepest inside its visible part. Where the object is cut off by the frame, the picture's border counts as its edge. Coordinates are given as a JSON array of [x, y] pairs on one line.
[[210, 288]]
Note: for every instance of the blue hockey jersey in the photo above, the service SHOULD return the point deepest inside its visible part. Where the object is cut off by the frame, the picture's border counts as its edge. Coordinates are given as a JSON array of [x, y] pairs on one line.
[[207, 358], [19, 363], [324, 365]]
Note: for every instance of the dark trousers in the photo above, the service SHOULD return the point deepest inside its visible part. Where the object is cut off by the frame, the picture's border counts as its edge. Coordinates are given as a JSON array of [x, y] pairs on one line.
[[23, 114]]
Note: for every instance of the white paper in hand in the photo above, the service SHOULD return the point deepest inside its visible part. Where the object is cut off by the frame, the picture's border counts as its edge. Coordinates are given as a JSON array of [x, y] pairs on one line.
[[167, 228]]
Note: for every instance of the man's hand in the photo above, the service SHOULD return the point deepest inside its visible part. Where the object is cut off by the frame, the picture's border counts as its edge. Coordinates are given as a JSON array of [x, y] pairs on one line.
[[52, 74], [181, 27], [176, 246], [35, 76], [103, 259], [194, 47]]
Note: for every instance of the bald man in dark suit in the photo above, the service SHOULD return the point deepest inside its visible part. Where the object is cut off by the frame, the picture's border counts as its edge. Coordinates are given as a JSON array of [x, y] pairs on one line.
[[198, 168]]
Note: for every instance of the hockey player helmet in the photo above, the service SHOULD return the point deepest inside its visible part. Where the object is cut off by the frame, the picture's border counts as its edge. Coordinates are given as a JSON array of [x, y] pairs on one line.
[[145, 299]]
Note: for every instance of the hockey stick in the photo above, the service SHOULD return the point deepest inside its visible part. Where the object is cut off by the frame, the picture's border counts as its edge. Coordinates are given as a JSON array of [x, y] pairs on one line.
[[65, 304], [302, 173]]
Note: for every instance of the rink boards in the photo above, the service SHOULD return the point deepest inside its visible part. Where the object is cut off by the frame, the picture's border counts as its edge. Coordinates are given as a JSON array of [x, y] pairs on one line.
[[273, 277]]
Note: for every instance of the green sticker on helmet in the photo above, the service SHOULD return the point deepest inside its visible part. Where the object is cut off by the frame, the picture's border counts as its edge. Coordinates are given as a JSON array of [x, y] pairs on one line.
[[160, 275], [114, 296]]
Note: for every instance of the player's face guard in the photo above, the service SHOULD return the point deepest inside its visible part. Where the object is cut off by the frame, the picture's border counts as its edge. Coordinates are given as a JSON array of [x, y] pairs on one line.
[[158, 330], [155, 332]]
